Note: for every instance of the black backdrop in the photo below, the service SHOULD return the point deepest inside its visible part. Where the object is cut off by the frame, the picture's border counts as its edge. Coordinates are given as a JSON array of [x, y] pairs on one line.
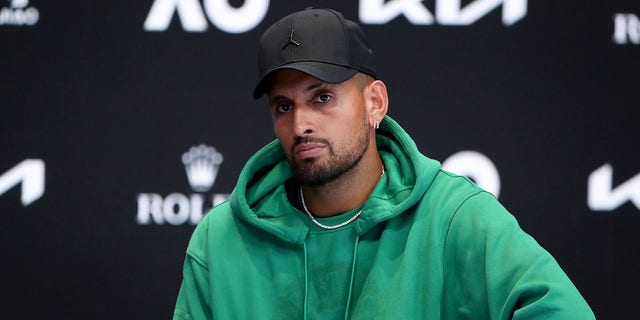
[[106, 109]]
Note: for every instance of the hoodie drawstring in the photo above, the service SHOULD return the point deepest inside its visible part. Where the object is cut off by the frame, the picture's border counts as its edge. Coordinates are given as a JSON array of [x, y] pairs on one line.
[[351, 279], [306, 281]]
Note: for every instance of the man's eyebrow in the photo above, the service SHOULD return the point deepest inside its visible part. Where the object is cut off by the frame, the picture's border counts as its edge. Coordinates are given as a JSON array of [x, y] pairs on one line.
[[315, 86], [277, 98], [307, 89]]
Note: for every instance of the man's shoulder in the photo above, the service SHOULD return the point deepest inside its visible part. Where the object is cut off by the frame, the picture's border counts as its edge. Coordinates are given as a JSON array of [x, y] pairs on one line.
[[455, 188], [453, 197], [215, 225], [217, 217]]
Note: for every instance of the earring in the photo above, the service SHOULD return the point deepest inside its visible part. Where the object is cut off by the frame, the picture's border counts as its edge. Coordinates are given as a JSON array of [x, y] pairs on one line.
[[376, 125]]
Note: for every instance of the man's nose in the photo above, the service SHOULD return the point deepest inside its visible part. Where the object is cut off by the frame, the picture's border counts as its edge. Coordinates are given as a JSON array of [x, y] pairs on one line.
[[303, 123]]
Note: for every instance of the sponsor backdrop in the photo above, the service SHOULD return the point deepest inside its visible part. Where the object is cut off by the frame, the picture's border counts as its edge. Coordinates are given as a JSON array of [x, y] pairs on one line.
[[122, 123]]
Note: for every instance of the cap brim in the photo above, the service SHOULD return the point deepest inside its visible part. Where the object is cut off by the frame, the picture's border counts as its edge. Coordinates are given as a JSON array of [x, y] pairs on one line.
[[326, 72]]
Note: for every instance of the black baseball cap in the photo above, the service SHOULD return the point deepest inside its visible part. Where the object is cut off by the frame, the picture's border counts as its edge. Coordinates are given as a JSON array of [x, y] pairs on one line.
[[319, 42]]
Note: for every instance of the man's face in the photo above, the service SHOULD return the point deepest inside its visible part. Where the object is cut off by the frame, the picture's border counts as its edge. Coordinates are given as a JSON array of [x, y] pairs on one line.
[[322, 127]]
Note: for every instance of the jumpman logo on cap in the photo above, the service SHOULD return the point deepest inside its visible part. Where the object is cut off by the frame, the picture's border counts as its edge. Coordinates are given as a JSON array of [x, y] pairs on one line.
[[291, 41]]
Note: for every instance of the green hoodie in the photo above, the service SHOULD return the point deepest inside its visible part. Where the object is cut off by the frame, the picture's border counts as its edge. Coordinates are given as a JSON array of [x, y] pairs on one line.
[[428, 245]]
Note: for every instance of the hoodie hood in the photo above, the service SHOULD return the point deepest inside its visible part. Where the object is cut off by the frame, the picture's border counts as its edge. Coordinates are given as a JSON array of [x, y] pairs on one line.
[[260, 199]]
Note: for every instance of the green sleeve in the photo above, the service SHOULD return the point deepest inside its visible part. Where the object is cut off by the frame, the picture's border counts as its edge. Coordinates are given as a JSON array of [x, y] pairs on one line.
[[497, 271], [193, 301]]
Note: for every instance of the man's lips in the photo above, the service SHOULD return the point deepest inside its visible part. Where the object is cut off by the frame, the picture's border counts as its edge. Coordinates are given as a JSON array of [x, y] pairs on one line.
[[308, 149]]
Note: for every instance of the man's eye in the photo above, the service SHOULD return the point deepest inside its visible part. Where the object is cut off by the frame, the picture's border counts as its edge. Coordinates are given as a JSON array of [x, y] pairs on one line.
[[283, 108], [323, 98]]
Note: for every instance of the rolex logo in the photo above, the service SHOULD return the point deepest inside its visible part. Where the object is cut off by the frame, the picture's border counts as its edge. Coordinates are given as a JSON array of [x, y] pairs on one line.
[[201, 164], [18, 13], [19, 4]]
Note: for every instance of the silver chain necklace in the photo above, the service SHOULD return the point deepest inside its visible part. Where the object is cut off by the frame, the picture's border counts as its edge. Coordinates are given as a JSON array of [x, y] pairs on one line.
[[324, 226]]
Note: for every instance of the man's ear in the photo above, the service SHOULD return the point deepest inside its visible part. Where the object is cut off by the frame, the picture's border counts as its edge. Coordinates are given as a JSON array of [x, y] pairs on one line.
[[378, 102]]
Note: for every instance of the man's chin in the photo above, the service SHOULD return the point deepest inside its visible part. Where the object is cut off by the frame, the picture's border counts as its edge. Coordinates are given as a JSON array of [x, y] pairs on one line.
[[312, 182], [312, 177]]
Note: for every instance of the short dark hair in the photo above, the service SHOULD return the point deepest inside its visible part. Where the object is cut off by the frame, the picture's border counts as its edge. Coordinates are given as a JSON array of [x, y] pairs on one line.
[[362, 80]]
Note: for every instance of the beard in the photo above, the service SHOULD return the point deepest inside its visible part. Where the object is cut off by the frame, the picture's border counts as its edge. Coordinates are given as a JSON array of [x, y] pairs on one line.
[[318, 172]]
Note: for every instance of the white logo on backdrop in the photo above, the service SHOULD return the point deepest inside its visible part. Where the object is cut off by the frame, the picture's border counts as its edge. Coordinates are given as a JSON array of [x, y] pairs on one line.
[[447, 12], [477, 167], [601, 196], [246, 17], [626, 28], [19, 13], [192, 16], [30, 173], [201, 164]]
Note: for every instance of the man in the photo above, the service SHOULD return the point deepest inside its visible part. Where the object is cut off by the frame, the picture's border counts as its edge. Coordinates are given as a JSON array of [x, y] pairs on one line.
[[343, 218]]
